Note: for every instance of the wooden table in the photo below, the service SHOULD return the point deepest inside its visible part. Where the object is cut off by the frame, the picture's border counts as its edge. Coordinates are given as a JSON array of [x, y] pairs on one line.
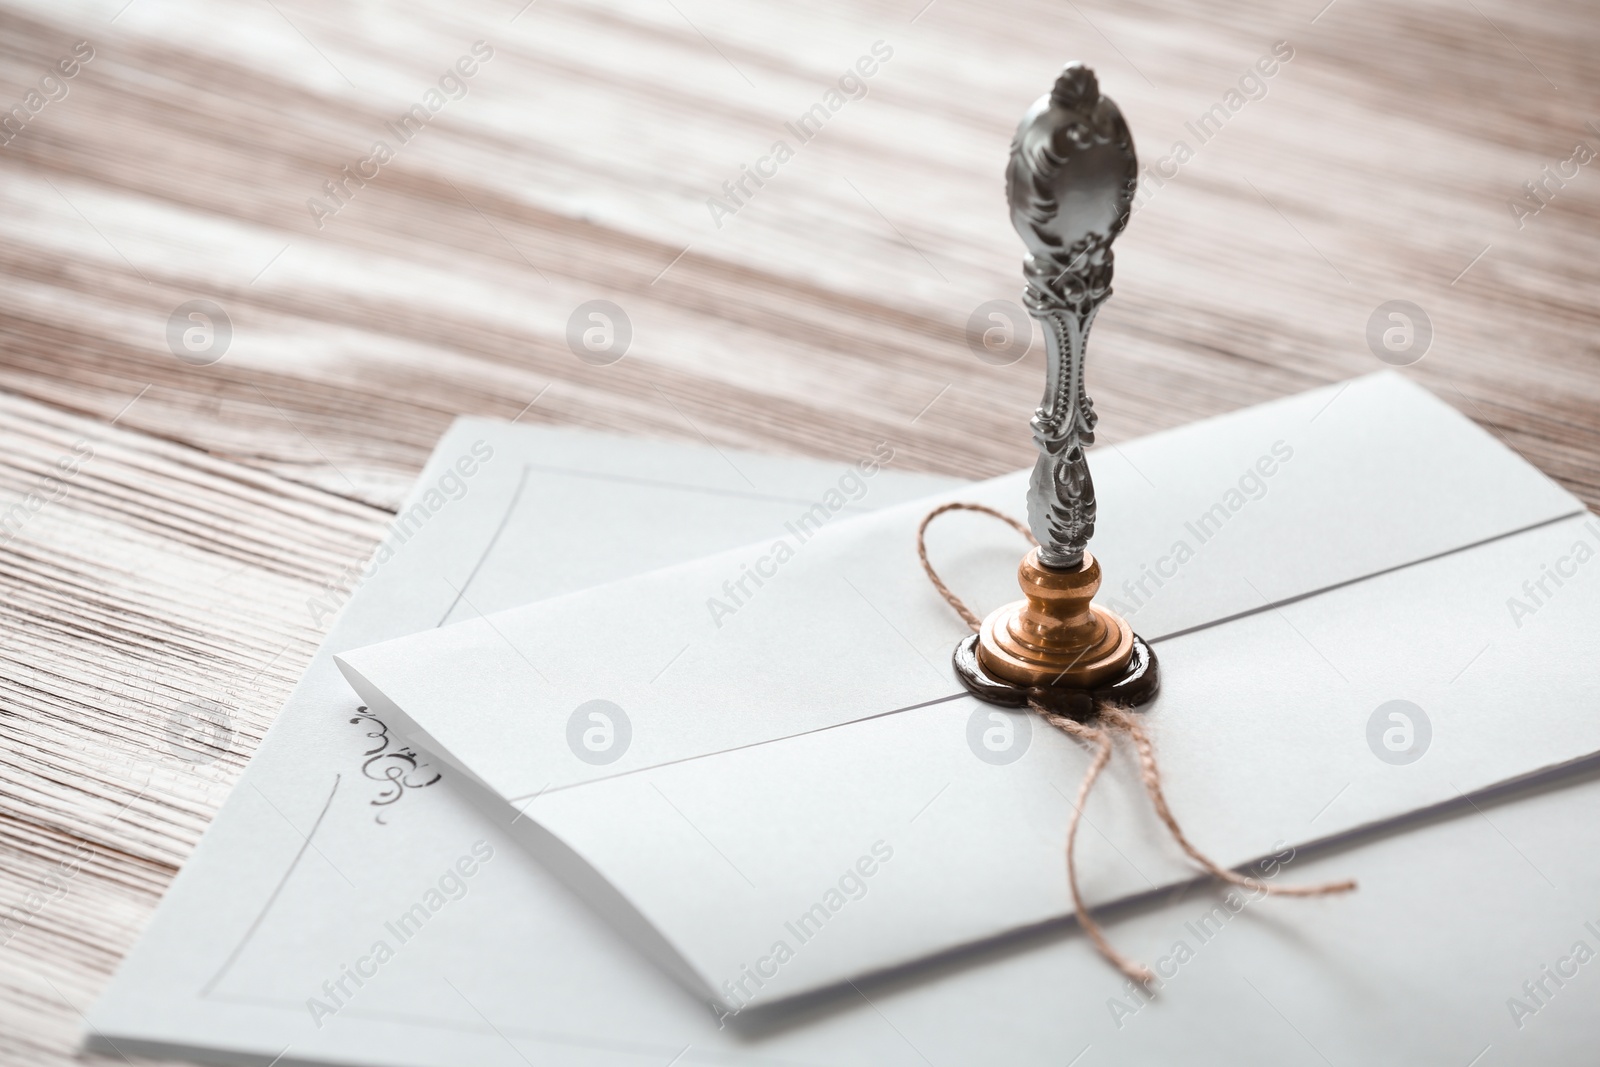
[[183, 513]]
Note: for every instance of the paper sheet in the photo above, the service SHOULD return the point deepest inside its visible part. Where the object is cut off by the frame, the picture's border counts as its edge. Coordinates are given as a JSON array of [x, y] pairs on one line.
[[338, 829]]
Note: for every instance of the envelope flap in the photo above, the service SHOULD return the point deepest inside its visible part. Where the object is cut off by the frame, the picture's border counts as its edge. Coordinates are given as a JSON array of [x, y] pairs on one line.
[[833, 620]]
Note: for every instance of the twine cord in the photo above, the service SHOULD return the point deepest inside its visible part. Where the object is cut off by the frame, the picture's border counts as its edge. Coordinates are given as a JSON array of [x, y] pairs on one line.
[[933, 576], [1101, 740], [1099, 735]]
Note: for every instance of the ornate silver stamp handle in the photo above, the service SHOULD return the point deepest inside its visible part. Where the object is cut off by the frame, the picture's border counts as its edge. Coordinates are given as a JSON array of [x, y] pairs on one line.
[[1070, 185]]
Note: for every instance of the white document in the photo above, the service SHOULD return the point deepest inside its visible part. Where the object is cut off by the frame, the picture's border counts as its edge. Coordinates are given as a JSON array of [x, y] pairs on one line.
[[800, 742], [338, 830]]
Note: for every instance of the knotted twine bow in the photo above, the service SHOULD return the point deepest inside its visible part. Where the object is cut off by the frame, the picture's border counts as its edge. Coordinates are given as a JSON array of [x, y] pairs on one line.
[[1098, 733]]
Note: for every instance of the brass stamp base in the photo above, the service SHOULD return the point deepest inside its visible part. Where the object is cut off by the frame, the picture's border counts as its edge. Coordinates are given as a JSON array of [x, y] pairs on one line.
[[1057, 647]]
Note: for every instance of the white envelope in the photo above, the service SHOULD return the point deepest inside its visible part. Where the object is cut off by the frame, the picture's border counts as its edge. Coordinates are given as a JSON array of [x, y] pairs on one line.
[[800, 741]]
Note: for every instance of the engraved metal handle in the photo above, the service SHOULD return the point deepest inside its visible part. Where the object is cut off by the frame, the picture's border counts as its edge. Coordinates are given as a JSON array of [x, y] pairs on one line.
[[1070, 185]]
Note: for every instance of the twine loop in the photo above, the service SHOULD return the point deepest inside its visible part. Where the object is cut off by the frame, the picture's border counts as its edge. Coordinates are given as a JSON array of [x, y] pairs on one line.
[[1098, 733]]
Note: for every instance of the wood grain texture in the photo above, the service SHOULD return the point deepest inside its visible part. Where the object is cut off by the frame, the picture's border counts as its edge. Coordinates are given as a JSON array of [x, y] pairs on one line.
[[154, 607], [828, 313]]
